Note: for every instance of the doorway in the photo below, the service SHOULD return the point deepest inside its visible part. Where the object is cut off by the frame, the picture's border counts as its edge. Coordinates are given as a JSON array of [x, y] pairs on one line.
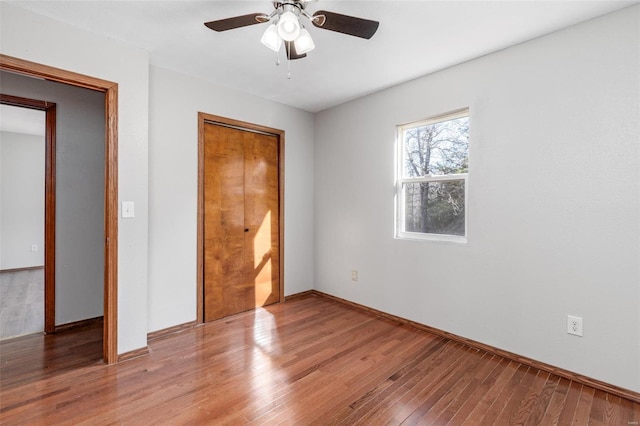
[[110, 90], [240, 217], [49, 212]]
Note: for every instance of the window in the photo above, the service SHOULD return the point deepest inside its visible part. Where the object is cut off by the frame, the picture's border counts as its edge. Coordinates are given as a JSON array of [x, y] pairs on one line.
[[433, 167]]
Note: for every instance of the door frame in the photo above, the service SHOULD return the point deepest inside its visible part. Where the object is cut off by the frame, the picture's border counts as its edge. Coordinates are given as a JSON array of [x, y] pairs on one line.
[[249, 127], [110, 90], [49, 109]]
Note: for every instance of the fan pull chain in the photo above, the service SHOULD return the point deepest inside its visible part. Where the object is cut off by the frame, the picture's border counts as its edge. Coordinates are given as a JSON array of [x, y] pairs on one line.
[[288, 63], [288, 52]]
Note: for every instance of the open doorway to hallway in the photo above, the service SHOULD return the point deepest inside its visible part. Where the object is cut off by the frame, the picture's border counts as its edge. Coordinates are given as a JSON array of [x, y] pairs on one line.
[[72, 196], [22, 219], [109, 165]]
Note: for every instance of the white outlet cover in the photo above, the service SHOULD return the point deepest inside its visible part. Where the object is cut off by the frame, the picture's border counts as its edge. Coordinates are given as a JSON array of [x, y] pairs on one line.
[[574, 325]]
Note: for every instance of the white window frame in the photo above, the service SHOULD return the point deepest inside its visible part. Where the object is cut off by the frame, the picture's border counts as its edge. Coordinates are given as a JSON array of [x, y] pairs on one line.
[[400, 233]]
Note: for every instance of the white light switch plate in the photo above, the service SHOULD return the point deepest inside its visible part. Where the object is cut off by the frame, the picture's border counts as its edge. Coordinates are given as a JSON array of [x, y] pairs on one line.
[[128, 209]]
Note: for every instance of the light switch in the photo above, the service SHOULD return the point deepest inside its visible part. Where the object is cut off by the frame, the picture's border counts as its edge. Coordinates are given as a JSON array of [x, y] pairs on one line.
[[127, 209]]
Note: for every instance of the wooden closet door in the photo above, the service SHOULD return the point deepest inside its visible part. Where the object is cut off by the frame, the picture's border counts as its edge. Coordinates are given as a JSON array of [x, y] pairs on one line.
[[261, 213], [241, 229]]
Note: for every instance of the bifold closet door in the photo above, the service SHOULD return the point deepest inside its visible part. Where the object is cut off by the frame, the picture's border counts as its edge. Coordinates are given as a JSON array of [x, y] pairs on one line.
[[241, 221]]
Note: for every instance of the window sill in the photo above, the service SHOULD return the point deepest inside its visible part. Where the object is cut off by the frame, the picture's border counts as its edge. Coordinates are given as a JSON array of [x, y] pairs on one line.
[[437, 238]]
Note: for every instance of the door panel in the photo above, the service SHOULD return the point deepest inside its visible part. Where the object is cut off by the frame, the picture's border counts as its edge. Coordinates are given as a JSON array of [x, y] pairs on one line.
[[261, 216], [241, 230], [223, 220]]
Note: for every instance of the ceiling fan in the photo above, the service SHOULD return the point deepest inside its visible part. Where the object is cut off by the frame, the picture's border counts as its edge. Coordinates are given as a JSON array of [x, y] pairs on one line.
[[286, 26]]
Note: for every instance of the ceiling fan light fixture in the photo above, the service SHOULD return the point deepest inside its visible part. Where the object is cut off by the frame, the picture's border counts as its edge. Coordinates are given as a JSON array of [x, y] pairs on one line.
[[271, 39], [285, 26], [304, 42], [288, 26]]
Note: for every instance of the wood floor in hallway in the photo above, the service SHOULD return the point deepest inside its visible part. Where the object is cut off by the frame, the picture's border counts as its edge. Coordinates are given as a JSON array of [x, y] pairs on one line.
[[310, 360]]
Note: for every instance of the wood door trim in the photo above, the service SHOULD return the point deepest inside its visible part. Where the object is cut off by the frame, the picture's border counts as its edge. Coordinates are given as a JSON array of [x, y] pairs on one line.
[[50, 223], [243, 125], [110, 90], [49, 109], [25, 102], [34, 69]]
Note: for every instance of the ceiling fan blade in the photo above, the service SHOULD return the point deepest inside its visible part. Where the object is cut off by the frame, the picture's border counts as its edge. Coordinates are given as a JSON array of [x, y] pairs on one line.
[[363, 28], [290, 48], [235, 22]]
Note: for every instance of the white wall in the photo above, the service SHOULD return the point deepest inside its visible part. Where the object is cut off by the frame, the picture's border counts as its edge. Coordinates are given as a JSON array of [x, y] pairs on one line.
[[32, 37], [21, 199], [175, 101], [553, 211]]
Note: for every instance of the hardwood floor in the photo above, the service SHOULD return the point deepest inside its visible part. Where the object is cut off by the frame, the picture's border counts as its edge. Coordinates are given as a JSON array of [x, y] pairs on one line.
[[307, 361]]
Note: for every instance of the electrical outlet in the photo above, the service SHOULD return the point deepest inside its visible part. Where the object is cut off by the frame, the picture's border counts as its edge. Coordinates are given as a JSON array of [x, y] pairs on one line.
[[354, 275], [574, 325]]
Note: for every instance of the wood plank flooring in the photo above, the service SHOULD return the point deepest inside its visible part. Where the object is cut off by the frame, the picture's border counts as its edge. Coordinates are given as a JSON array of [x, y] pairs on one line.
[[307, 361]]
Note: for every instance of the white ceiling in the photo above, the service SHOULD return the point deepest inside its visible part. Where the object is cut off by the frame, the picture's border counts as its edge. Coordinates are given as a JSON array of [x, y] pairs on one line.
[[415, 38], [22, 120]]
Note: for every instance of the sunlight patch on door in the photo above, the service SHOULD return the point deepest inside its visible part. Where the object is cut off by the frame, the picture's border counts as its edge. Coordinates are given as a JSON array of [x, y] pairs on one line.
[[262, 261], [262, 241]]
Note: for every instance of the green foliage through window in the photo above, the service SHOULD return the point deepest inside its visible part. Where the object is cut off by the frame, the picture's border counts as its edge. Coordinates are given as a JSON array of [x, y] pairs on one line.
[[434, 163]]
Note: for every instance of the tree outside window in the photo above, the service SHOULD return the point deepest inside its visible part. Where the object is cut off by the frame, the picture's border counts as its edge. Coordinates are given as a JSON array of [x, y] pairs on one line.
[[433, 169]]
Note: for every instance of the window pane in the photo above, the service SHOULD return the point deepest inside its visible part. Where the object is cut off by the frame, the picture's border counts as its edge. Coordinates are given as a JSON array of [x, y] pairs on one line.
[[435, 207], [437, 149]]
